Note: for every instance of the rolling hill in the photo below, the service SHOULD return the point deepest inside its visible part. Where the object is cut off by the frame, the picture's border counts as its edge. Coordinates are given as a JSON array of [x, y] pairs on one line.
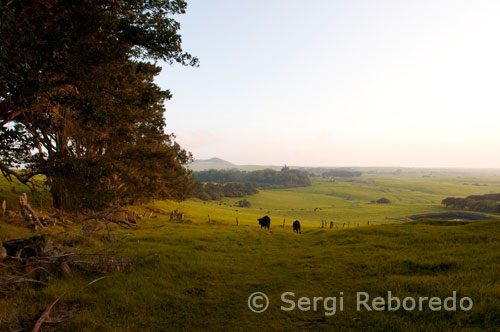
[[218, 163], [212, 163]]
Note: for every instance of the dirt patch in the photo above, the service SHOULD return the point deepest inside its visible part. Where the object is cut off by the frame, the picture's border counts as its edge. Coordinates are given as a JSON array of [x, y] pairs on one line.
[[194, 291]]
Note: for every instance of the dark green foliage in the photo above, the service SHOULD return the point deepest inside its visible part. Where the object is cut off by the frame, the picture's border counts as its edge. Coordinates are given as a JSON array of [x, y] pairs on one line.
[[244, 203], [203, 195], [383, 200], [267, 178], [480, 203], [215, 191], [490, 197], [331, 172], [78, 103], [221, 176], [341, 173]]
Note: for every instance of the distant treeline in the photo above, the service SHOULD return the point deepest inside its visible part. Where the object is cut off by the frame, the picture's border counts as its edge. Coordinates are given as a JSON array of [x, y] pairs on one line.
[[331, 172], [480, 203], [266, 179], [340, 173], [214, 191]]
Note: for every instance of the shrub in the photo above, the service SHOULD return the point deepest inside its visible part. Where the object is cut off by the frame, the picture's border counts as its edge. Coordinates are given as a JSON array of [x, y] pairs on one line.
[[244, 203], [203, 196], [383, 200]]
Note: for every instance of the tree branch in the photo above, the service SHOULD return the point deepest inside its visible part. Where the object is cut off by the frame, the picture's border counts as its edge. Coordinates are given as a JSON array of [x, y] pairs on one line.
[[8, 173]]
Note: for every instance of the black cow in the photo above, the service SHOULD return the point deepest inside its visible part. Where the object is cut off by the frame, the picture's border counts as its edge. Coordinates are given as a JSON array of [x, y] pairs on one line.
[[296, 226], [265, 222]]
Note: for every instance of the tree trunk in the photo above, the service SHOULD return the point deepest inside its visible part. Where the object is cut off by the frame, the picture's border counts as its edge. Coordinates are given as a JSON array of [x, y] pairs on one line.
[[64, 194]]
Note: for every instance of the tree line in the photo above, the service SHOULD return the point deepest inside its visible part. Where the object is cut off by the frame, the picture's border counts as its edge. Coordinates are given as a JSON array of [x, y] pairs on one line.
[[78, 102], [480, 203], [216, 191], [265, 179], [341, 173]]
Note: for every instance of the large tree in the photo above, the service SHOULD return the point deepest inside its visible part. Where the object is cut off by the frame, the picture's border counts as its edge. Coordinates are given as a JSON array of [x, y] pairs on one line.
[[78, 103]]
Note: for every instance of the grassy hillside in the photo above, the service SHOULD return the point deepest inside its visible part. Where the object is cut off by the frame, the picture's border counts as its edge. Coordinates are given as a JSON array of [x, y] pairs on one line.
[[198, 278], [217, 163], [212, 163], [341, 202], [195, 276], [11, 190]]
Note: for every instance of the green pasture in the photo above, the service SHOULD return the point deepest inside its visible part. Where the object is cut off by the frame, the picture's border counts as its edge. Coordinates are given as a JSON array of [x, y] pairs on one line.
[[198, 278], [11, 190], [194, 276], [341, 201]]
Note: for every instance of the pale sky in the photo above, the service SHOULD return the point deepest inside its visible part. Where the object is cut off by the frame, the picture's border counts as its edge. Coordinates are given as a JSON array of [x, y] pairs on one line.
[[339, 83]]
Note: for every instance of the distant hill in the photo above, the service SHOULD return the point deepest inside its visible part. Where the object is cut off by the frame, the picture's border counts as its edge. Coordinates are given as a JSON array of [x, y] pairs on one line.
[[212, 163], [217, 163]]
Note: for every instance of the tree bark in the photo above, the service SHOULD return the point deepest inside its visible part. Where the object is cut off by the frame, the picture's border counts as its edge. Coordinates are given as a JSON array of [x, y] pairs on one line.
[[64, 194]]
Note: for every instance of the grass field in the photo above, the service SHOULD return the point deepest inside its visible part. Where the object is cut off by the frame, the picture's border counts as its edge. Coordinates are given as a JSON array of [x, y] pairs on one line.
[[343, 202], [195, 276]]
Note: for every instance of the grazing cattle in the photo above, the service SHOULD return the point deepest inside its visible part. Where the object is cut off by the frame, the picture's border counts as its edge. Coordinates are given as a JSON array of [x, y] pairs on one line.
[[265, 222], [296, 226]]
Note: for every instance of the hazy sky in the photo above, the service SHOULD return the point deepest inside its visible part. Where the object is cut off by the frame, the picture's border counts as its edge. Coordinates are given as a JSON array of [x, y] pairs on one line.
[[339, 83]]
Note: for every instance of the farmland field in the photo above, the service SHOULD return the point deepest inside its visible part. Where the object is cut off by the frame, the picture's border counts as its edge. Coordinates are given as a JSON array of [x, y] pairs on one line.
[[193, 275], [344, 201]]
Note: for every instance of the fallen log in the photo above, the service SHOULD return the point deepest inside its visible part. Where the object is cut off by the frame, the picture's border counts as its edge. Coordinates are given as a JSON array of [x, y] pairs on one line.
[[22, 280], [34, 246], [120, 216]]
